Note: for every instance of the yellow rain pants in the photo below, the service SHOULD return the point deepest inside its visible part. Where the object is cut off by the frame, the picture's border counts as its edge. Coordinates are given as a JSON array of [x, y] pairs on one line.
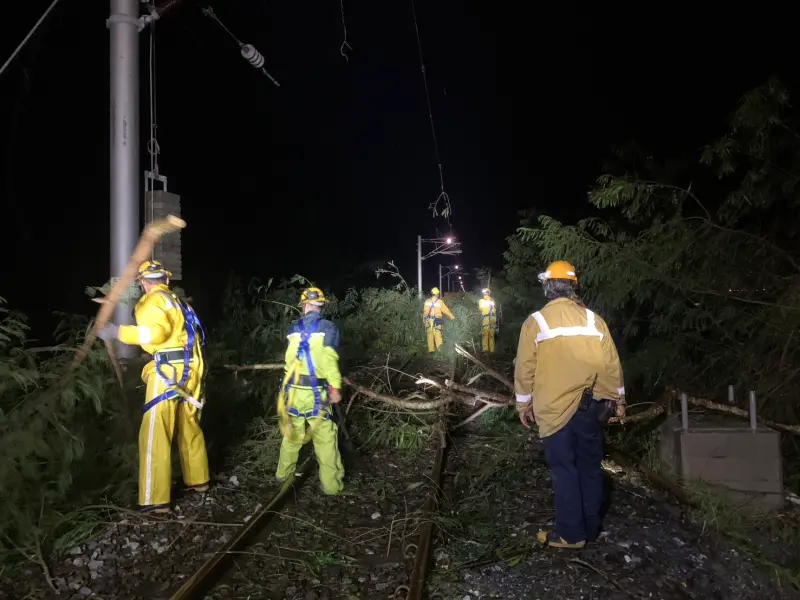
[[324, 436], [487, 339], [159, 424], [488, 323], [433, 311]]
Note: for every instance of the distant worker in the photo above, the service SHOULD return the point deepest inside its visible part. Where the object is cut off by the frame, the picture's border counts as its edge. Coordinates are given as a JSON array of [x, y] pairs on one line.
[[432, 318], [488, 320], [169, 329], [311, 384], [569, 378]]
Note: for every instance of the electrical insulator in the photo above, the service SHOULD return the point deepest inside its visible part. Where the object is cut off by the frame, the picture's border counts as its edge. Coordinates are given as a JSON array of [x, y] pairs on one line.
[[253, 56], [256, 59]]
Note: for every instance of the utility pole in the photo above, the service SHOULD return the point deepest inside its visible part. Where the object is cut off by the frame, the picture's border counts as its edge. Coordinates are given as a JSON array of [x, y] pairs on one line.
[[440, 278], [124, 26], [419, 266], [447, 246]]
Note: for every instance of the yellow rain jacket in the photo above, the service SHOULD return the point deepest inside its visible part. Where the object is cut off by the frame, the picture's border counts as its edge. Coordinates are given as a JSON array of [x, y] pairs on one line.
[[488, 311], [308, 410], [561, 350], [432, 317], [161, 330]]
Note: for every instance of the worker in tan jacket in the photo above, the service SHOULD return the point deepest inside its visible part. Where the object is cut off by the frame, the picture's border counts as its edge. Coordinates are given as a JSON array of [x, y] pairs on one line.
[[568, 378]]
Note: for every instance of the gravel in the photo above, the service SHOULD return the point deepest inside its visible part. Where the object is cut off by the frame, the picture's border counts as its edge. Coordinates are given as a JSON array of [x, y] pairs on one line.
[[648, 549], [359, 545]]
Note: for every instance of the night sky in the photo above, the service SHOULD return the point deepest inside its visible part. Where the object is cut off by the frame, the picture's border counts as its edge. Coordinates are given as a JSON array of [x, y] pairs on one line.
[[334, 170]]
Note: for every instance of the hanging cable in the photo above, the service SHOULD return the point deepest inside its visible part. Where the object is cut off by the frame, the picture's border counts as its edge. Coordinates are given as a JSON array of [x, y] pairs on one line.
[[443, 197], [27, 37], [152, 145], [249, 52], [345, 45]]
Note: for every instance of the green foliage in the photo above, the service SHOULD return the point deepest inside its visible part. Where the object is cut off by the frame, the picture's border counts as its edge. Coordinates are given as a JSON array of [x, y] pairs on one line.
[[55, 444], [699, 280]]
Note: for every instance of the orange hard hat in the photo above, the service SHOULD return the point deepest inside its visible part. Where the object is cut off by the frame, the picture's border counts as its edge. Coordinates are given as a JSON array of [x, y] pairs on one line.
[[559, 269]]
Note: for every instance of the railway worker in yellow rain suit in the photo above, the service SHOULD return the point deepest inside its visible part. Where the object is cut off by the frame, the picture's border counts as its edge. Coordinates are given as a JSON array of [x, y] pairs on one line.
[[312, 383], [568, 377], [488, 320], [168, 328], [432, 318]]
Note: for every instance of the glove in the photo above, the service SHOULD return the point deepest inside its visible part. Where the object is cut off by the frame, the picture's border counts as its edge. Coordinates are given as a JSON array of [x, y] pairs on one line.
[[109, 333]]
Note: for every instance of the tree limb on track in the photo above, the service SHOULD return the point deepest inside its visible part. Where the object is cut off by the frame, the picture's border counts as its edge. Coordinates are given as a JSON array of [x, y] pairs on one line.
[[143, 251], [396, 402]]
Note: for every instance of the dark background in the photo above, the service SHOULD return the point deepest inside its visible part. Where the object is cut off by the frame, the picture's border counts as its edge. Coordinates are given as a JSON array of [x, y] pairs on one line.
[[332, 173]]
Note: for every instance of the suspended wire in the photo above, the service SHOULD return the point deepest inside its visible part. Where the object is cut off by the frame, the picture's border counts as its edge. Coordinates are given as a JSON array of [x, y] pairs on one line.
[[153, 147], [345, 45], [28, 37], [209, 12], [443, 197]]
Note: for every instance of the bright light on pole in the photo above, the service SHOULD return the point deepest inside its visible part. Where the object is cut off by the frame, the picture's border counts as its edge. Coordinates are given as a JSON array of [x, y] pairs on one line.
[[441, 246]]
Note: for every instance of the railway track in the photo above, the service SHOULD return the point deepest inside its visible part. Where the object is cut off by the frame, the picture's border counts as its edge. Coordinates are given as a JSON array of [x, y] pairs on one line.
[[282, 543]]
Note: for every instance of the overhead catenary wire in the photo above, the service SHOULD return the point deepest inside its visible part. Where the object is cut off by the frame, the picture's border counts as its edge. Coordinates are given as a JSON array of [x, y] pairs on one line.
[[443, 196], [27, 38]]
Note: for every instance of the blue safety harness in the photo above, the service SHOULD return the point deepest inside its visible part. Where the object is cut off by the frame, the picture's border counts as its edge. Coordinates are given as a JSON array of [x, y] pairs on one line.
[[488, 316], [433, 322], [193, 330], [304, 351]]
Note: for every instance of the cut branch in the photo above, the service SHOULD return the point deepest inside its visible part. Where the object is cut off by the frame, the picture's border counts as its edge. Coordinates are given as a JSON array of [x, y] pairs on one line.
[[494, 398], [397, 402], [651, 413], [262, 367], [490, 372]]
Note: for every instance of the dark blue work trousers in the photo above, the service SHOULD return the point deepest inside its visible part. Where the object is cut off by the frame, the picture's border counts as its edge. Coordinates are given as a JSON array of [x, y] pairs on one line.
[[574, 454]]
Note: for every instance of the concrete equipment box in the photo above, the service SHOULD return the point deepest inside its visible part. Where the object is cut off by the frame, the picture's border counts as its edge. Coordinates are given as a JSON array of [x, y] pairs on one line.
[[744, 463]]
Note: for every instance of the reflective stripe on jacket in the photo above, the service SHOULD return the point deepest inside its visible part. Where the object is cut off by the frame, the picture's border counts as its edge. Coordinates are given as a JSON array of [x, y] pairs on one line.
[[562, 348]]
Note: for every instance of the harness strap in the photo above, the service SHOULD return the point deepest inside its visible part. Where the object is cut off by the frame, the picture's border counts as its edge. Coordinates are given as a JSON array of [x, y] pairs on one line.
[[304, 351], [193, 327]]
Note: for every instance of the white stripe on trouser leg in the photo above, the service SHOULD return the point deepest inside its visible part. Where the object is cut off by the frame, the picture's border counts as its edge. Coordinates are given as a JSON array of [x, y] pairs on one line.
[[148, 477]]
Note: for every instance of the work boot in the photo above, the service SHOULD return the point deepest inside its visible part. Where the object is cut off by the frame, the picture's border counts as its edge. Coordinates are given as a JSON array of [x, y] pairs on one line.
[[157, 510], [550, 538], [200, 489]]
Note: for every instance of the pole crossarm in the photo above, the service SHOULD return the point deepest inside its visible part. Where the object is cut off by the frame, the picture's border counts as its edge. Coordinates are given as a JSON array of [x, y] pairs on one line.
[[442, 247]]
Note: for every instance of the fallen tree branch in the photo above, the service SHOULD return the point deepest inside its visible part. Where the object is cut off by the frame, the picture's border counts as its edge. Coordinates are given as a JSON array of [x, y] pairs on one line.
[[491, 372], [262, 367], [651, 413], [473, 416], [494, 398], [397, 402]]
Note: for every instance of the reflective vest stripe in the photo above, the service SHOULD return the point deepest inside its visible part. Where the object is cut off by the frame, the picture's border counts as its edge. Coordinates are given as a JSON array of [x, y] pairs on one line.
[[545, 333]]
